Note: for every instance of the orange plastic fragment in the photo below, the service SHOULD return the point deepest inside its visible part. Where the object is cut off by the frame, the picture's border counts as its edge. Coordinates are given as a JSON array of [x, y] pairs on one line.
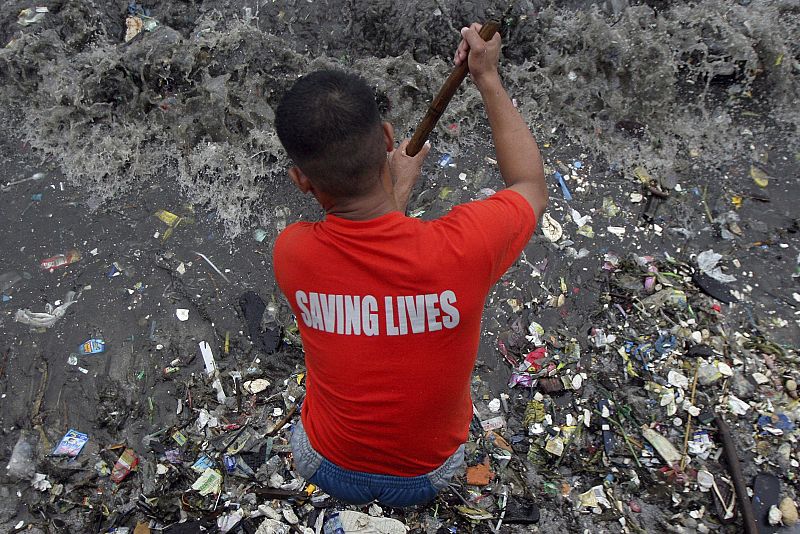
[[480, 475], [498, 440]]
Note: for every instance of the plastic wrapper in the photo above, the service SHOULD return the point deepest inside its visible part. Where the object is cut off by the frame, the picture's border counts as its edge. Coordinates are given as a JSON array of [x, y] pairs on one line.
[[71, 444], [50, 316]]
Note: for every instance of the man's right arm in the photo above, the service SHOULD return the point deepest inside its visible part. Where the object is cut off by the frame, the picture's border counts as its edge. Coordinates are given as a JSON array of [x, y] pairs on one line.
[[517, 153]]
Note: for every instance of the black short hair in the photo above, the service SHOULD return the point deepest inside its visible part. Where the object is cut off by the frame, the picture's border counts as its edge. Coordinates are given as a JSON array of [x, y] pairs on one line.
[[330, 126]]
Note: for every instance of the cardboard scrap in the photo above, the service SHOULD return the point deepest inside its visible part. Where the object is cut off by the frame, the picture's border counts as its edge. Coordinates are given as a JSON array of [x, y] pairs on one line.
[[663, 447], [211, 370], [498, 441], [209, 482]]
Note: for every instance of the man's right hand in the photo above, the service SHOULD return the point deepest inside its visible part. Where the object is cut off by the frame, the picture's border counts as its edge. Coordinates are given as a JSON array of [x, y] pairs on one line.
[[481, 56]]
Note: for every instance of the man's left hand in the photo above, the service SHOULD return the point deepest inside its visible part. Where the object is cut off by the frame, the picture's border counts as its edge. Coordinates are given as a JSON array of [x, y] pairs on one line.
[[405, 171]]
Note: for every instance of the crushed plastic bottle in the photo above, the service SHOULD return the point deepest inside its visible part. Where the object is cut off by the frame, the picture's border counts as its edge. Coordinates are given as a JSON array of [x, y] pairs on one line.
[[60, 260], [333, 524], [22, 465], [92, 346]]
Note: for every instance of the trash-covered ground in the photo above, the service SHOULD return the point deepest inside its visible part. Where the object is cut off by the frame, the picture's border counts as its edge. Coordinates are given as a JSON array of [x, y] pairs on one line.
[[150, 370]]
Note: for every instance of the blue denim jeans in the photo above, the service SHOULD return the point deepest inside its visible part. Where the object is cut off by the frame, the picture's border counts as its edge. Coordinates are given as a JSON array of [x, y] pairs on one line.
[[354, 487]]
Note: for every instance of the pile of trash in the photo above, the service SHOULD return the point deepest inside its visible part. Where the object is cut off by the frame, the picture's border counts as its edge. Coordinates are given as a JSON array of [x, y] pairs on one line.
[[661, 412], [609, 425], [655, 405], [223, 465]]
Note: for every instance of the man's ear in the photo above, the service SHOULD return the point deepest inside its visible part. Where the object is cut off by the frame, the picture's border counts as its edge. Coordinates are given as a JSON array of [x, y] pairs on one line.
[[300, 179], [388, 135]]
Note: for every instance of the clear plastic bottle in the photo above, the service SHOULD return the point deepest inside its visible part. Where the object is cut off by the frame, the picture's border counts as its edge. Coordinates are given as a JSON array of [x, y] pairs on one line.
[[22, 464], [333, 524]]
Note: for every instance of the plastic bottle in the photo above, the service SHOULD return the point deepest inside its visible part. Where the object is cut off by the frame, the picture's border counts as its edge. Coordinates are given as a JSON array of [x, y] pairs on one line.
[[333, 524], [8, 279], [22, 465], [61, 260]]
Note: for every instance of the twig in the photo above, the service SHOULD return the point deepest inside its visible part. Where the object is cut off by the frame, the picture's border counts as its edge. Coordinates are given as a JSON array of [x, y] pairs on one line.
[[504, 501], [641, 308], [286, 418], [628, 440], [212, 265], [705, 205], [37, 403], [689, 420], [735, 470], [36, 417], [665, 316], [728, 507], [216, 502], [4, 363], [457, 494]]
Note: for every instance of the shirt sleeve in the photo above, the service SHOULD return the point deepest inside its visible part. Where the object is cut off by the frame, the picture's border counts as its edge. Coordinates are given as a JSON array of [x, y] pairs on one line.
[[493, 231]]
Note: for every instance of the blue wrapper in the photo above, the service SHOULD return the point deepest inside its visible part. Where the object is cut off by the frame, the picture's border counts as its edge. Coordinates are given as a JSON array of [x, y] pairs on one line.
[[71, 444], [92, 346], [563, 184]]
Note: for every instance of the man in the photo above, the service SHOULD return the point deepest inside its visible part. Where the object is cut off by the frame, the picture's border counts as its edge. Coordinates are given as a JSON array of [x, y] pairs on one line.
[[389, 307]]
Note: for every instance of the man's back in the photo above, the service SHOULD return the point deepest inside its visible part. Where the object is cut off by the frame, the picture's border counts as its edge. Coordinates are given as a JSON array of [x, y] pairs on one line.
[[389, 310], [389, 307]]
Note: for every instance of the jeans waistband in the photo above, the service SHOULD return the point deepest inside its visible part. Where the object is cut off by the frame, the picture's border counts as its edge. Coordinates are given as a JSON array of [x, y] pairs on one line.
[[308, 461]]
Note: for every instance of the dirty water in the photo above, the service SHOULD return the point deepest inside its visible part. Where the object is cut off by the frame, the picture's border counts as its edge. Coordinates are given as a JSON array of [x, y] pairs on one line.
[[689, 98]]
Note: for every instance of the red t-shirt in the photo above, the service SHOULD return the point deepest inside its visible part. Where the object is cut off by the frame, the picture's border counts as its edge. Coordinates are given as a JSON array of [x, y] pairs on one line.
[[389, 311]]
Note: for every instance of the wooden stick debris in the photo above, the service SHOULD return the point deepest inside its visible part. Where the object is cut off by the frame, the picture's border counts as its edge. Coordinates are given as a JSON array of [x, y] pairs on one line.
[[684, 456], [735, 470], [212, 265], [705, 205], [282, 423], [445, 94]]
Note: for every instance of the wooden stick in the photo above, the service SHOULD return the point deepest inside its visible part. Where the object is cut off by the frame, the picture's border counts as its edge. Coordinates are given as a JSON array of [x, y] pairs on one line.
[[449, 88], [282, 423], [685, 455], [748, 518], [629, 441]]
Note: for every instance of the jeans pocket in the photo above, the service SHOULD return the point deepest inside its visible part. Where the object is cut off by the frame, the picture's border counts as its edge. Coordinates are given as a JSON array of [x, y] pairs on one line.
[[440, 477], [306, 459]]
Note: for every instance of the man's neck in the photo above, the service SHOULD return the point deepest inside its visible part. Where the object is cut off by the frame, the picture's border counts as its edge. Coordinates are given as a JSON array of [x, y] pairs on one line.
[[377, 202], [363, 208]]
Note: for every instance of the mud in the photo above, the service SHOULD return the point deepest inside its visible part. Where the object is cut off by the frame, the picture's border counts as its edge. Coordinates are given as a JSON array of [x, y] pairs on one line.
[[180, 118]]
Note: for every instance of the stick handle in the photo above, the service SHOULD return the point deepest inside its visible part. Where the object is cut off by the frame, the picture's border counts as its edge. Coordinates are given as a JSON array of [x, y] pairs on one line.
[[449, 88], [735, 470]]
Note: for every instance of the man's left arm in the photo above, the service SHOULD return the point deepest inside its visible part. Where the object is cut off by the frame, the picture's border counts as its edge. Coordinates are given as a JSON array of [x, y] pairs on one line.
[[405, 172]]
